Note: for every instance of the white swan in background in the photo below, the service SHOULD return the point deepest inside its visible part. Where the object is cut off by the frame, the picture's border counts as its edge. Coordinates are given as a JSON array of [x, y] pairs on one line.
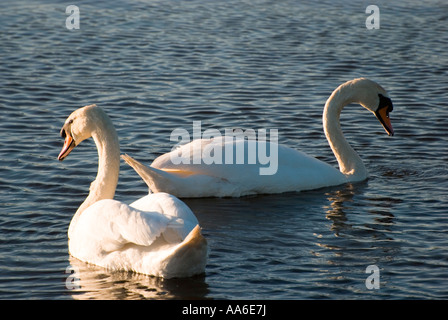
[[296, 170], [156, 235]]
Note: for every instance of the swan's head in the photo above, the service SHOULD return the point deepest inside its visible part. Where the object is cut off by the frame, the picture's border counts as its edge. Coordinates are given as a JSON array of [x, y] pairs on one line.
[[375, 99], [79, 126]]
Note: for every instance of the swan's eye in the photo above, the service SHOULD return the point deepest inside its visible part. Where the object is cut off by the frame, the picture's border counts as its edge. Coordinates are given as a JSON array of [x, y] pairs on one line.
[[385, 102], [63, 132]]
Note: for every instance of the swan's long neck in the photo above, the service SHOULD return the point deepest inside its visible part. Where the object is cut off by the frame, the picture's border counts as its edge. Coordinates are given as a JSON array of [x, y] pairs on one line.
[[105, 184], [350, 164]]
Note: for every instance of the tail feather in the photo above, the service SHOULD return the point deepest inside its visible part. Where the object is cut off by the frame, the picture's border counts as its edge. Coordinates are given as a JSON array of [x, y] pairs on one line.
[[150, 175], [189, 258], [195, 236]]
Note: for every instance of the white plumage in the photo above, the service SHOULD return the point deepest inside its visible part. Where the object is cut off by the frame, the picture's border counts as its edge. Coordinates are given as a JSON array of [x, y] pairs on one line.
[[296, 170], [156, 235]]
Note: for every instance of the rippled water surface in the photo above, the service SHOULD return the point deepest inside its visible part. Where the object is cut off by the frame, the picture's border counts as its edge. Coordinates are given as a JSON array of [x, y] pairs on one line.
[[159, 65]]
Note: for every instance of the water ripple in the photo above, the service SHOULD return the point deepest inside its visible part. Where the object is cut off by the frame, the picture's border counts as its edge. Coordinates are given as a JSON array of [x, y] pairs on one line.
[[160, 65]]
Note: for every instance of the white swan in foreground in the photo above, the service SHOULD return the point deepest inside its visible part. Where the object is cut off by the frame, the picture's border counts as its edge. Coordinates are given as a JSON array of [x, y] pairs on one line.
[[156, 235], [296, 170]]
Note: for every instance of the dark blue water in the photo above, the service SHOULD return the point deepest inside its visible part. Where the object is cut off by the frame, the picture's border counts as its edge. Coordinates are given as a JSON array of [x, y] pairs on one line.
[[159, 65]]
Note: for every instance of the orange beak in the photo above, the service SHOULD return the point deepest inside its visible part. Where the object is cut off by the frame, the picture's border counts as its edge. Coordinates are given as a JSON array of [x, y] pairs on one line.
[[69, 144], [383, 115]]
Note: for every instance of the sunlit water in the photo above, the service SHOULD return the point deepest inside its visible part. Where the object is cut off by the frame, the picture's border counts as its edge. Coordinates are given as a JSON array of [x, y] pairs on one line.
[[159, 65]]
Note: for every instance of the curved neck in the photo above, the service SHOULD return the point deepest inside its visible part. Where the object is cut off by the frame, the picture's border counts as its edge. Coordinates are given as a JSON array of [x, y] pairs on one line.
[[350, 164], [105, 184]]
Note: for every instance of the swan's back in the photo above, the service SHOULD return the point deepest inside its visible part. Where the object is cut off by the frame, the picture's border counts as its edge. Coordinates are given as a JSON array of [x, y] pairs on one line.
[[171, 207], [294, 170], [116, 236]]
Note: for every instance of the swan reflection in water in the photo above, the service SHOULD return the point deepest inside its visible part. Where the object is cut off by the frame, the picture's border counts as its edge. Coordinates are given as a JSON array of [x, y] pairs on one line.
[[362, 227], [89, 282], [342, 200]]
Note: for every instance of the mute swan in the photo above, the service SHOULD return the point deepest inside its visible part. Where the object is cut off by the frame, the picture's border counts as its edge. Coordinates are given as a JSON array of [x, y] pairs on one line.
[[156, 235], [296, 170]]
